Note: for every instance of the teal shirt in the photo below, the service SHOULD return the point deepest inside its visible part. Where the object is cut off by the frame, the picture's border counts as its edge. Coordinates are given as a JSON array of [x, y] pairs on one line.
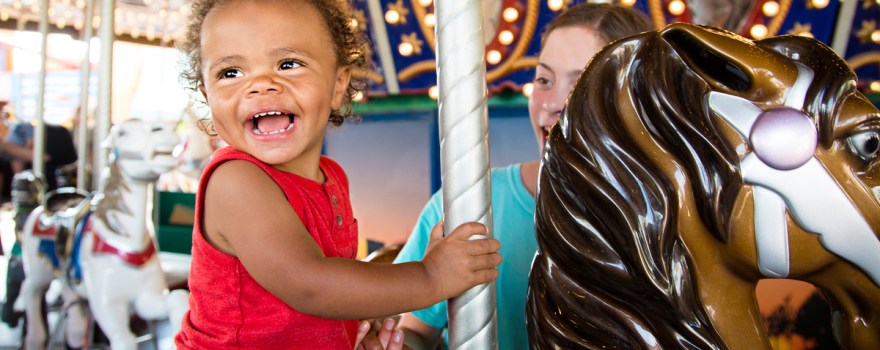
[[513, 213]]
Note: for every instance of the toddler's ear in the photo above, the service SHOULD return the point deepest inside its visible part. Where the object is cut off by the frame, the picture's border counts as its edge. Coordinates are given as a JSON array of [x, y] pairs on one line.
[[340, 86]]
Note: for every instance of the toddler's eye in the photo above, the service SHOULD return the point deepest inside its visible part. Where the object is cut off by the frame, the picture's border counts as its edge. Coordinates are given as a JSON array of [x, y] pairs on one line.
[[289, 64], [230, 73], [865, 144]]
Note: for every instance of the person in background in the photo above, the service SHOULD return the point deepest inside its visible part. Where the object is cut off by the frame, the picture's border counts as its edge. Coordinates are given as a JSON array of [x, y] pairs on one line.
[[275, 239], [59, 149], [5, 163], [567, 45]]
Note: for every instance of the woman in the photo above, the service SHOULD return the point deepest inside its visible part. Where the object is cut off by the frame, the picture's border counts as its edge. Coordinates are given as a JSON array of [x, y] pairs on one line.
[[567, 45]]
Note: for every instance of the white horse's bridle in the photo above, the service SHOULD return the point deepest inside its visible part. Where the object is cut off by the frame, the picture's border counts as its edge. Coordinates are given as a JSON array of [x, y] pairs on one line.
[[785, 175]]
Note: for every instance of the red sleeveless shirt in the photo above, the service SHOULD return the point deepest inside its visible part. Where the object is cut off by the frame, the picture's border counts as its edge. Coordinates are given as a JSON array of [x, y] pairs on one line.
[[230, 310]]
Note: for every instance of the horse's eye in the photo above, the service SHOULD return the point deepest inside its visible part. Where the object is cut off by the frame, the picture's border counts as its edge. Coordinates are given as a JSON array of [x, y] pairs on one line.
[[865, 144]]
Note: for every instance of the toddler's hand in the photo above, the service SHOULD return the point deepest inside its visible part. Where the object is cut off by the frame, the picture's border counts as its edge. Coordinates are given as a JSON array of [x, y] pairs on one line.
[[456, 263]]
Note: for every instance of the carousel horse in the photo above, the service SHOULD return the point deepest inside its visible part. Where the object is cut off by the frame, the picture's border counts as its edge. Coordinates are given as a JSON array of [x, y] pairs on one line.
[[691, 163], [103, 248], [28, 188]]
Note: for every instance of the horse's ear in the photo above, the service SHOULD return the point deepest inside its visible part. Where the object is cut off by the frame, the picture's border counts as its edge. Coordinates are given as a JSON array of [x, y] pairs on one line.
[[727, 62], [107, 143]]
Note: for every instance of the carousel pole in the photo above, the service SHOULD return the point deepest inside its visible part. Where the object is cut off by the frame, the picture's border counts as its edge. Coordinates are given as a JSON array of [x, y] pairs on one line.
[[84, 69], [105, 85], [40, 127], [464, 156]]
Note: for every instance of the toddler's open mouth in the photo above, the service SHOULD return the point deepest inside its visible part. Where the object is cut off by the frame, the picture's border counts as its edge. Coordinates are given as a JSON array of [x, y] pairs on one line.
[[272, 122]]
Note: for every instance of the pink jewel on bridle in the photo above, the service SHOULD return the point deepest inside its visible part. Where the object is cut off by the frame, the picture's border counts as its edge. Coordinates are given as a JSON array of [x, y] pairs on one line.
[[783, 138]]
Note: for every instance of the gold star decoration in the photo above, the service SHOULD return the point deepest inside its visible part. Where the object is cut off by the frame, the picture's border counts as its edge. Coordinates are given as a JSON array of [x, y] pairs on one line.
[[864, 34], [801, 29], [870, 3], [414, 41], [401, 9], [360, 19]]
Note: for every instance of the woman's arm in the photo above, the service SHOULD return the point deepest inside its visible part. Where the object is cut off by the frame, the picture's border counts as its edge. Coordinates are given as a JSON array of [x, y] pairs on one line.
[[247, 215]]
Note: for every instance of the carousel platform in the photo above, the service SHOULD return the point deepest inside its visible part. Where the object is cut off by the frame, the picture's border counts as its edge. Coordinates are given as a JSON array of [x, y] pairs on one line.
[[175, 264]]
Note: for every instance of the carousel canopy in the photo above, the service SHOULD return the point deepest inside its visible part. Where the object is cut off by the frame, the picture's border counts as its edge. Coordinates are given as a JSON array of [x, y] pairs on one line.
[[402, 31]]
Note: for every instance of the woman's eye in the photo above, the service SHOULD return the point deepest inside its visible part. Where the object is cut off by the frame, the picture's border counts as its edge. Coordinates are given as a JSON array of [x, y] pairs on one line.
[[865, 144], [542, 82], [289, 64], [230, 73]]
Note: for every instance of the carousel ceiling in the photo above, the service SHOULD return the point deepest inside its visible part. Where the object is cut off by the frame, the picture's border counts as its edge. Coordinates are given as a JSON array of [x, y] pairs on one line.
[[403, 35]]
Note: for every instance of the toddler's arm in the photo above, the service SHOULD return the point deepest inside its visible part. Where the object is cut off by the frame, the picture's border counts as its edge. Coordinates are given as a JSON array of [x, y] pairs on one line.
[[247, 215]]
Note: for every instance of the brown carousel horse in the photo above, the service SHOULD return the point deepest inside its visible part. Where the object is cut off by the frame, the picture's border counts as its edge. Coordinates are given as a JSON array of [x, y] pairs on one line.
[[690, 164]]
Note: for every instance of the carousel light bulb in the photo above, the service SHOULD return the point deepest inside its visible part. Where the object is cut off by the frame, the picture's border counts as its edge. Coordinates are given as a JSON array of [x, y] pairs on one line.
[[426, 3], [527, 89], [4, 16], [493, 57], [434, 92], [819, 4], [758, 31], [35, 8], [78, 24], [392, 17], [875, 86], [96, 21], [676, 7], [510, 14], [353, 23], [555, 5], [65, 2], [770, 8], [80, 4], [16, 5], [628, 3], [430, 20], [405, 49], [505, 37], [875, 36], [61, 23]]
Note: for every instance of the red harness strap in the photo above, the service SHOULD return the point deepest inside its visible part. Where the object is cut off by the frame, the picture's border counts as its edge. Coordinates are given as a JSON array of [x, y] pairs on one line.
[[133, 258], [48, 231]]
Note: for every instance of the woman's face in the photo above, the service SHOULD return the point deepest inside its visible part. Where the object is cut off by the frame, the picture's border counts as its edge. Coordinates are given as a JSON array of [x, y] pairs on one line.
[[566, 52]]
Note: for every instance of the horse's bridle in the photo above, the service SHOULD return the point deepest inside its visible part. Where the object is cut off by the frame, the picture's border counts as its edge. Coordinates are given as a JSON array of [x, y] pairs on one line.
[[785, 175]]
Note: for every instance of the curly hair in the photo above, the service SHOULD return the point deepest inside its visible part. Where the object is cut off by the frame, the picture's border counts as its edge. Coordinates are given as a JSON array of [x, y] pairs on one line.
[[350, 45]]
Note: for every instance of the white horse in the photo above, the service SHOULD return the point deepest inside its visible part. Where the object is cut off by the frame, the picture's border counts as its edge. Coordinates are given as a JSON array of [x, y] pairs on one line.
[[112, 259]]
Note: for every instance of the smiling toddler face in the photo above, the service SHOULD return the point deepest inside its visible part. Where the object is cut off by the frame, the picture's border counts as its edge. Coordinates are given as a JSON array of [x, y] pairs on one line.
[[271, 79]]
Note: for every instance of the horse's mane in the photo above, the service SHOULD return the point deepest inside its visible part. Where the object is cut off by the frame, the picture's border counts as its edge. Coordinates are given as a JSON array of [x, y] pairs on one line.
[[611, 270], [111, 197]]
